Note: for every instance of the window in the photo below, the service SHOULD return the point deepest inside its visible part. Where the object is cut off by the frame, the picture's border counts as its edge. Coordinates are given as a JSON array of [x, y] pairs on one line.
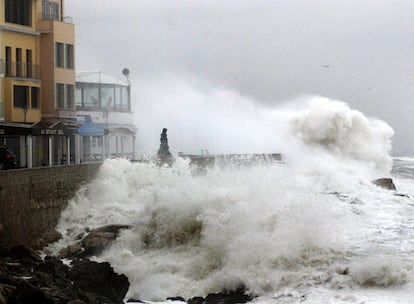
[[60, 59], [70, 94], [50, 10], [46, 9], [64, 54], [9, 65], [35, 97], [21, 94], [69, 56], [122, 98], [65, 94], [107, 97], [29, 67], [95, 142], [54, 10], [19, 63], [91, 97], [18, 12], [60, 95], [78, 96]]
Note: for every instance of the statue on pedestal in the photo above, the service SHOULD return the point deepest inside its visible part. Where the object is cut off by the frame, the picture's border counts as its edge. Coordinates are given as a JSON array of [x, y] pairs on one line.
[[164, 154]]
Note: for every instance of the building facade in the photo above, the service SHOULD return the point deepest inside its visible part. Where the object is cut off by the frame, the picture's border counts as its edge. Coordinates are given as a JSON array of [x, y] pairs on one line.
[[37, 82], [103, 105], [20, 54]]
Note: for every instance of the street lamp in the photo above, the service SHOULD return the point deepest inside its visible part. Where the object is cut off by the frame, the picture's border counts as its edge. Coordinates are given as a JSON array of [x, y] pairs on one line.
[[125, 72], [25, 110]]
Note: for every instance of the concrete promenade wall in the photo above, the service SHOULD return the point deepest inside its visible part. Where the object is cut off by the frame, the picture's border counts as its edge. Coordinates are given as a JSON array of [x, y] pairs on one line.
[[31, 200]]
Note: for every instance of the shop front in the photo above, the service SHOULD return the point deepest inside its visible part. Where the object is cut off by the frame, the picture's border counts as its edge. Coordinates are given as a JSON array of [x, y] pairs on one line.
[[45, 143]]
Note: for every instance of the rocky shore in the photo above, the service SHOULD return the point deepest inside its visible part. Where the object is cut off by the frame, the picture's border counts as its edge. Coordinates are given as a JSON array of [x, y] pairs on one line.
[[26, 277]]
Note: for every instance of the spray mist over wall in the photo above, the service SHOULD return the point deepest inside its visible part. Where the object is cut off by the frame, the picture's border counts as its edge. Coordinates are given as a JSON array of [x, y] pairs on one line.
[[307, 131], [268, 226]]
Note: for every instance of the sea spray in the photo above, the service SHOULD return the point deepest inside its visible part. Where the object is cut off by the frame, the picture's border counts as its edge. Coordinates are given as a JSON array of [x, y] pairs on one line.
[[375, 271], [268, 226], [332, 127], [210, 231]]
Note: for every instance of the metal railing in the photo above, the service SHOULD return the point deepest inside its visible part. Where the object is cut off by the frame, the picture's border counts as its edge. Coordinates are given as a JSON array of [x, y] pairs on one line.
[[22, 69], [56, 17]]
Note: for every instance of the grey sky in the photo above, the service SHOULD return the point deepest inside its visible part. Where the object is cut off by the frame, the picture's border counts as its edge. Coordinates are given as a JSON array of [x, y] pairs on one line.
[[270, 51]]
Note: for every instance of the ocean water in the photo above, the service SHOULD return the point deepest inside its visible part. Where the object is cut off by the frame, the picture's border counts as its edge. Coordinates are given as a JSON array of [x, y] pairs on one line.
[[310, 229]]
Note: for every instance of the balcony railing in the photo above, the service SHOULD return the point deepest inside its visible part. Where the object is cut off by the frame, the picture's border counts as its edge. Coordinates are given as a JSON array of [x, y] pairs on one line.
[[22, 69], [56, 17]]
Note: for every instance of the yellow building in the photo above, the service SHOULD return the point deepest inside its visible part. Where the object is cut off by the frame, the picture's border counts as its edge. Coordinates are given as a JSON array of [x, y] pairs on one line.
[[19, 51], [37, 81], [57, 42]]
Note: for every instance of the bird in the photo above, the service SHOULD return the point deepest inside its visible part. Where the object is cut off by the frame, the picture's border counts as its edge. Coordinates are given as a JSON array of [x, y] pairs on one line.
[[325, 66]]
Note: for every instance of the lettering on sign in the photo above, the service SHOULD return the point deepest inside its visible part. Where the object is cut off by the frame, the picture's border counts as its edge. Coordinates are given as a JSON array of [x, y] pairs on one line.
[[51, 132]]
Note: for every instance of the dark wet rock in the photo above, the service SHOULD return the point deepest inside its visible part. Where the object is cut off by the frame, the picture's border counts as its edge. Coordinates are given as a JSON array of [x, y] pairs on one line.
[[99, 278], [176, 299], [6, 293], [239, 295], [70, 251], [93, 243], [343, 270], [26, 278], [385, 183], [76, 302], [402, 195], [47, 238], [231, 297], [196, 300], [135, 301], [21, 253]]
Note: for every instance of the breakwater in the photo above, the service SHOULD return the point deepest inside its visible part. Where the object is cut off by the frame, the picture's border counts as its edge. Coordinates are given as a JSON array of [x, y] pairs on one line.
[[31, 200]]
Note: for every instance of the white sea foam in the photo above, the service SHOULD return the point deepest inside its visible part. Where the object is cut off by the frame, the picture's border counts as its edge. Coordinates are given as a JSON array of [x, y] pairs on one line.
[[270, 227], [379, 272]]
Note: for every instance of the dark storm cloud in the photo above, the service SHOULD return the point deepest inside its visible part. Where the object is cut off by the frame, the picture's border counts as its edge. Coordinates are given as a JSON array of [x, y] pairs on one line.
[[361, 52]]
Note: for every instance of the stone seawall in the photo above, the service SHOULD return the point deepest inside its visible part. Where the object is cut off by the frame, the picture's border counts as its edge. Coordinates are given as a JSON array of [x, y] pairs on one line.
[[31, 200]]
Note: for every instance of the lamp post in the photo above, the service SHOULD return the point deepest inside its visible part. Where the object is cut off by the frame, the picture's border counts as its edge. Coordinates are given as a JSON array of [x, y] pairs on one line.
[[25, 110], [125, 72]]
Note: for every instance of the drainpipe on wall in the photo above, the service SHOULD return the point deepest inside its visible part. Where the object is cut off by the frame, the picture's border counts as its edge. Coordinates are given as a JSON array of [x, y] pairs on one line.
[[50, 151], [29, 151]]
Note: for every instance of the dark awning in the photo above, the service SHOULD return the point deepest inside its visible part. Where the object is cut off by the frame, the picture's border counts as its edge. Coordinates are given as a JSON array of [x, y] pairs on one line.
[[43, 127], [14, 129], [55, 127]]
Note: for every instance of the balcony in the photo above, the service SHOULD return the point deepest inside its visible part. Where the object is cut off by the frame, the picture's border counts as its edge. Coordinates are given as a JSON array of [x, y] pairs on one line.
[[52, 22], [55, 17], [22, 70]]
